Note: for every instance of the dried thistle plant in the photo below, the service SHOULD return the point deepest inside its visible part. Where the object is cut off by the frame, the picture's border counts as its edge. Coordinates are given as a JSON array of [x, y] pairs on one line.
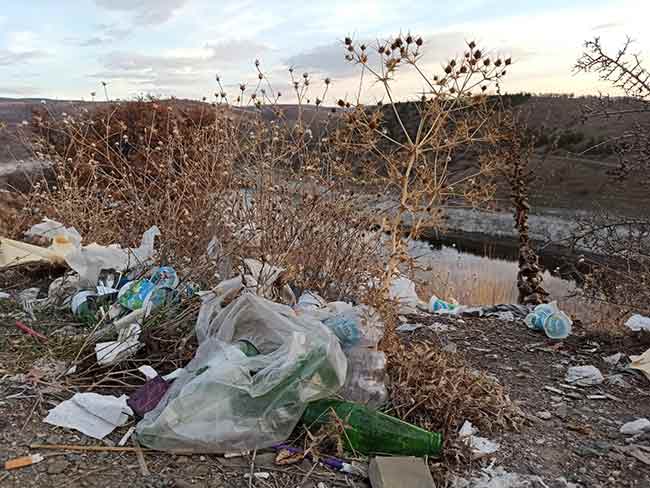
[[414, 161]]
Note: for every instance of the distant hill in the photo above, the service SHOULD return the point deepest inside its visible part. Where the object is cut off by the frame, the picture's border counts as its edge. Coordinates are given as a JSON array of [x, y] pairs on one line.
[[569, 178]]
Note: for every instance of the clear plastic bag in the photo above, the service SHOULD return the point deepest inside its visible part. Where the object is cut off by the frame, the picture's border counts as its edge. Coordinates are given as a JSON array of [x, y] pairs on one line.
[[225, 400]]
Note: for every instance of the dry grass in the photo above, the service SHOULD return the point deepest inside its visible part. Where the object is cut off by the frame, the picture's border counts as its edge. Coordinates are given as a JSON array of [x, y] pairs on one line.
[[439, 391]]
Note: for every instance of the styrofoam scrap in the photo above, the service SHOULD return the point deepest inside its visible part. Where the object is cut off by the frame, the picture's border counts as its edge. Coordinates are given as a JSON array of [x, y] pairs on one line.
[[263, 475], [148, 371]]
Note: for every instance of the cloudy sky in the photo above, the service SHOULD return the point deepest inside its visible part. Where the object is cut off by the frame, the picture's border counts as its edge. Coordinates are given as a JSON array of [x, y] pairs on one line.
[[66, 48]]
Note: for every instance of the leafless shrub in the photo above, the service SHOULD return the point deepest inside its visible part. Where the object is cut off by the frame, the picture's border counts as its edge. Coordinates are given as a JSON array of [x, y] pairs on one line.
[[625, 241]]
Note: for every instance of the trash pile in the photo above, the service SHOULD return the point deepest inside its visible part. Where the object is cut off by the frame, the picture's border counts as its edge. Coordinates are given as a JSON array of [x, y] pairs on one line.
[[265, 360]]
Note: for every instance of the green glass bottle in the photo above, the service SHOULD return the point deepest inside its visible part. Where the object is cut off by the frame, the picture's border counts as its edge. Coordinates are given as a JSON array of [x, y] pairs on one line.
[[371, 432]]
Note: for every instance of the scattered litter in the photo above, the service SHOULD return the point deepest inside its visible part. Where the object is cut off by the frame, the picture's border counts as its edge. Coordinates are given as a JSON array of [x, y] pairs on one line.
[[229, 455], [409, 327], [372, 432], [544, 415], [480, 446], [29, 330], [365, 379], [24, 461], [438, 305], [93, 414], [145, 398], [148, 372], [618, 380], [641, 363], [584, 375], [262, 475], [614, 359], [66, 247], [4, 296], [403, 291], [290, 455], [299, 360], [549, 318], [638, 322], [126, 436], [498, 477], [389, 472], [126, 345], [635, 427]]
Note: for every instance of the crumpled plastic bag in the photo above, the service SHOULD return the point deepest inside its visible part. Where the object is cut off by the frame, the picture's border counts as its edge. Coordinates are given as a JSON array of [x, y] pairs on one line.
[[403, 291], [88, 261], [224, 400]]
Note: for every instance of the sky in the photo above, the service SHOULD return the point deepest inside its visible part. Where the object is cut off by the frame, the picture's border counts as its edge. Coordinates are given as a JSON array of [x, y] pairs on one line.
[[65, 49]]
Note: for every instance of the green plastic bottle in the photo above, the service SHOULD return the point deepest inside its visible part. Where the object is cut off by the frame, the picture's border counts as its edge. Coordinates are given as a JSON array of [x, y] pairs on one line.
[[370, 432]]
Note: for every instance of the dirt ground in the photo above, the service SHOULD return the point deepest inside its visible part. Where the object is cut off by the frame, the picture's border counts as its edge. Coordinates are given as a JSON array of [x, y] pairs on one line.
[[571, 434]]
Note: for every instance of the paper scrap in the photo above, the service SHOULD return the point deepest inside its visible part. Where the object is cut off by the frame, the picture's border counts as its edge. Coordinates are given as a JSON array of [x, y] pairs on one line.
[[91, 413]]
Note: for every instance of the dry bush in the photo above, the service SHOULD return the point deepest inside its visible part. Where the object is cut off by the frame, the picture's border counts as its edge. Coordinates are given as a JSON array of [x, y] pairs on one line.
[[413, 160], [439, 391], [322, 237], [624, 279]]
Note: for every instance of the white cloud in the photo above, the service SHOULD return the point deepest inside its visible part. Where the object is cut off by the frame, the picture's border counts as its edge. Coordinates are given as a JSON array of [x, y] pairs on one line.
[[148, 12]]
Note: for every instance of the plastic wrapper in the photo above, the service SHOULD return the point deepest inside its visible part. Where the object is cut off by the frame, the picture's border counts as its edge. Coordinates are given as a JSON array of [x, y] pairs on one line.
[[226, 401]]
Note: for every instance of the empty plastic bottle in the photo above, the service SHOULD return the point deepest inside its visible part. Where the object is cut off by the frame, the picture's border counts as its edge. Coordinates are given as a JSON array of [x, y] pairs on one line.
[[371, 432]]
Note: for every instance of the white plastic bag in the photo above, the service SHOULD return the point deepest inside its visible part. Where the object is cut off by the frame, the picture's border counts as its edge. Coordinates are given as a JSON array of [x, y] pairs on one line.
[[227, 401], [403, 290]]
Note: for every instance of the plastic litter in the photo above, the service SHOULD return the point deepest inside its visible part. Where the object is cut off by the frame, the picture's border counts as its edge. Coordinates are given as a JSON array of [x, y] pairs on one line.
[[584, 376], [88, 261], [636, 427], [480, 446], [437, 305], [93, 414], [549, 318], [145, 398], [638, 322], [372, 432], [247, 401], [403, 291], [126, 345], [366, 379], [641, 363]]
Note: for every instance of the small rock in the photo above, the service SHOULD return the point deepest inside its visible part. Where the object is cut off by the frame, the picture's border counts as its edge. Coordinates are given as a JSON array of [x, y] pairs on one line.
[[451, 347], [562, 411], [388, 472], [544, 415], [584, 375], [57, 466], [635, 427], [183, 459]]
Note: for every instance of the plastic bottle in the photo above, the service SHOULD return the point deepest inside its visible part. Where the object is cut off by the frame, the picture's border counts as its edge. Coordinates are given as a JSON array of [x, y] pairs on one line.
[[436, 305], [371, 432], [365, 380]]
